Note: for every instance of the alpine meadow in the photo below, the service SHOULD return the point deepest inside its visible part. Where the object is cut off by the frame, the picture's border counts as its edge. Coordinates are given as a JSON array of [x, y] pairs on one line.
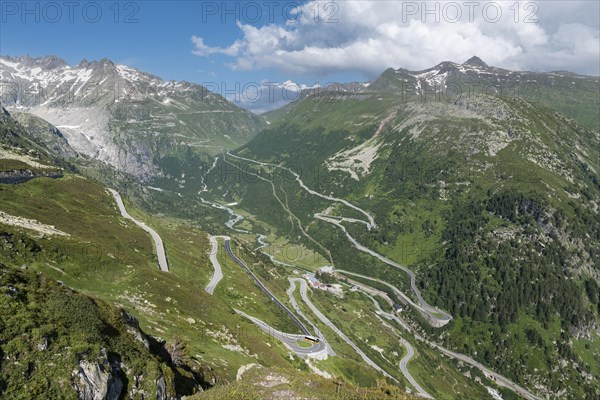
[[300, 200]]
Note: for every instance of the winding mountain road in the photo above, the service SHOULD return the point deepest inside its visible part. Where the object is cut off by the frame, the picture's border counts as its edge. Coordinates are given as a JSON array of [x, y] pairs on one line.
[[497, 378], [318, 333], [433, 319], [302, 327], [435, 316], [371, 223], [410, 352], [328, 323], [158, 243], [218, 274], [290, 340]]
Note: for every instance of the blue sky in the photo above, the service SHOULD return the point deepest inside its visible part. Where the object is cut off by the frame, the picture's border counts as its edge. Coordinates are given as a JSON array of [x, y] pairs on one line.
[[324, 41], [156, 39], [153, 36]]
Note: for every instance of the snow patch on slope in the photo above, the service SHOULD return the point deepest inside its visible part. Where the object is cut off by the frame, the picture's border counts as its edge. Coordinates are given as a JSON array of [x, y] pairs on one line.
[[433, 79]]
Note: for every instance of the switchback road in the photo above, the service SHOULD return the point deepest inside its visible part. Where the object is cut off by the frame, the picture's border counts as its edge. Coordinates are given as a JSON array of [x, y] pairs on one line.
[[218, 275], [302, 327], [158, 243], [290, 340], [328, 323]]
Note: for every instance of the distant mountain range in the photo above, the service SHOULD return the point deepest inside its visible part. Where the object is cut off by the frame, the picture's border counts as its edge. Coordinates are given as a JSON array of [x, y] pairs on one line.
[[151, 129], [129, 119], [574, 95]]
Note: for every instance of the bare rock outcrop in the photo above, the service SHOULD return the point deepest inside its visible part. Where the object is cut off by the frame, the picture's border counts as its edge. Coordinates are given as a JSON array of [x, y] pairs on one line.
[[97, 381]]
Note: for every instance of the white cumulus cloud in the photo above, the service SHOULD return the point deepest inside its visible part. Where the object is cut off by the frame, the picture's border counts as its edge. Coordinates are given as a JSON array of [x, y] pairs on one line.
[[368, 37]]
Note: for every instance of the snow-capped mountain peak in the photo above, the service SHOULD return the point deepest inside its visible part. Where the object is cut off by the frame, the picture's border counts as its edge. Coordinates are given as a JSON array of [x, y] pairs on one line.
[[97, 103]]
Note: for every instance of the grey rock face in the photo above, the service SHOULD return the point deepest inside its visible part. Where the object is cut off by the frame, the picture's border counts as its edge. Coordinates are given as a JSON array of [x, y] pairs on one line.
[[94, 381], [161, 388], [133, 328], [46, 133], [121, 116]]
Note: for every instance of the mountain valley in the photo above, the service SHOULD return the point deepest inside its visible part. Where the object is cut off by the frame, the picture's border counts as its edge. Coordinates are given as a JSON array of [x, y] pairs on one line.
[[447, 240]]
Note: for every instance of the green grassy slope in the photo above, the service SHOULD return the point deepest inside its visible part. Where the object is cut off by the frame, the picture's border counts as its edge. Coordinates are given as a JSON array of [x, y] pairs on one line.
[[482, 189], [109, 258], [260, 383], [48, 332]]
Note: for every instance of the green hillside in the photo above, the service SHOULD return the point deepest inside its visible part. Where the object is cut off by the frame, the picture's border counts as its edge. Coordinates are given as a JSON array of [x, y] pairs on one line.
[[57, 343], [489, 202], [68, 233], [492, 200], [259, 383]]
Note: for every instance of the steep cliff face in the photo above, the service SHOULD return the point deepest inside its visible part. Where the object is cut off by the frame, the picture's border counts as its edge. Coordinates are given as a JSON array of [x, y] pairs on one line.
[[62, 344], [44, 132], [98, 381]]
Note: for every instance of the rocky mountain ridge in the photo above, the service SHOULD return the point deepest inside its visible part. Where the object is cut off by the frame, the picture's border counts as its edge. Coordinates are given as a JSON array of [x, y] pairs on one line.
[[124, 117]]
